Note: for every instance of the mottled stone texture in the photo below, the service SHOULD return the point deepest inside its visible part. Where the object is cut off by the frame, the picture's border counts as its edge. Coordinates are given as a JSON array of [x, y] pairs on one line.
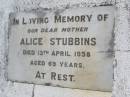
[[44, 91], [122, 49]]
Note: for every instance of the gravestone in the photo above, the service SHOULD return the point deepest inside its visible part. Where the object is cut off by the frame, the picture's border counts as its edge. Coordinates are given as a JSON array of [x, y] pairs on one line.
[[64, 47]]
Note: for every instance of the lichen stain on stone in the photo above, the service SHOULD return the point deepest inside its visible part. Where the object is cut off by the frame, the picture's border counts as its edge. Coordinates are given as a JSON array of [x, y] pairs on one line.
[[10, 23], [40, 12], [85, 81], [11, 17], [88, 75], [59, 11], [58, 86], [111, 42], [48, 84], [110, 51]]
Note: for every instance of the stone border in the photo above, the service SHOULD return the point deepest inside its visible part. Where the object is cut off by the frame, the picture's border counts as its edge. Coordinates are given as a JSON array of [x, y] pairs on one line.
[[57, 11]]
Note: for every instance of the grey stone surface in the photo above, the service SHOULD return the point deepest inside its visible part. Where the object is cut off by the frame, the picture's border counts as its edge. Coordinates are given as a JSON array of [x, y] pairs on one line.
[[122, 71], [20, 90], [41, 91], [122, 32], [93, 72], [121, 80]]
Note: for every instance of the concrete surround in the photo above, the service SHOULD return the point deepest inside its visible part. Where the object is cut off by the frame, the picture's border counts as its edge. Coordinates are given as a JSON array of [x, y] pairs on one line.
[[121, 80]]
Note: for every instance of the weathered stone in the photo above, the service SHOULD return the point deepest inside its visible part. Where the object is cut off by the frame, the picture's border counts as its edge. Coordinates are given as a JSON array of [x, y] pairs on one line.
[[68, 48]]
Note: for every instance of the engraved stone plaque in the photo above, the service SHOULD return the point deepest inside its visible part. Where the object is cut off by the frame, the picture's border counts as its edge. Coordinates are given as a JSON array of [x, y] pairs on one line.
[[63, 47]]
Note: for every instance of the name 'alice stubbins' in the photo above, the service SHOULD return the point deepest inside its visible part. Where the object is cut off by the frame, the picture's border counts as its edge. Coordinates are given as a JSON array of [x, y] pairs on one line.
[[90, 41]]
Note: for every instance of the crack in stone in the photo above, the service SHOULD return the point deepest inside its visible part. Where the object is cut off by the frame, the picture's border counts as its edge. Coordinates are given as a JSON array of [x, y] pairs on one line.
[[33, 90]]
